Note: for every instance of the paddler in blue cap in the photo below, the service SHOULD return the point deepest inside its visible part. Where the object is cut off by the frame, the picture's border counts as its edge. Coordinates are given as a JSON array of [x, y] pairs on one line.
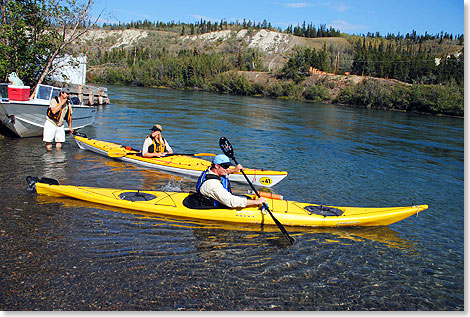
[[213, 186]]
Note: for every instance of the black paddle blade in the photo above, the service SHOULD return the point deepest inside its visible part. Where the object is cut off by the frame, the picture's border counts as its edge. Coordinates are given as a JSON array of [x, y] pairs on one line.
[[80, 134], [226, 147], [32, 180], [279, 225]]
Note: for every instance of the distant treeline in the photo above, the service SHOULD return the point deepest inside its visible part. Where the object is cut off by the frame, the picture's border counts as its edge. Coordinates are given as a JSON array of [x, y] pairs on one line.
[[198, 27], [157, 67], [305, 30], [203, 26], [191, 62], [415, 38], [312, 31]]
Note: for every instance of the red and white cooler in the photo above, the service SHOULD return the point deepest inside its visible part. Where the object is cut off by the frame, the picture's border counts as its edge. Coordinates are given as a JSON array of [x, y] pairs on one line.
[[18, 93]]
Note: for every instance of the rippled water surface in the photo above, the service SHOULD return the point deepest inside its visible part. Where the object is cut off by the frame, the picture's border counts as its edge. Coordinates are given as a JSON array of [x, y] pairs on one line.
[[61, 254]]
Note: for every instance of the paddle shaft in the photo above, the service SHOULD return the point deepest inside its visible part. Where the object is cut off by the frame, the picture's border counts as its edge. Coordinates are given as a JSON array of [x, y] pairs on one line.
[[192, 154], [120, 152], [280, 226]]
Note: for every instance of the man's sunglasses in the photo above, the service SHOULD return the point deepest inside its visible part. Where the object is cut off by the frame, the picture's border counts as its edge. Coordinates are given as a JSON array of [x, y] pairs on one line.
[[225, 165]]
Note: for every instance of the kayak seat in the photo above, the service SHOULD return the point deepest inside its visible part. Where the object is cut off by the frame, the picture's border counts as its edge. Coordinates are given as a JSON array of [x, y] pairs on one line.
[[324, 211], [195, 201], [136, 196]]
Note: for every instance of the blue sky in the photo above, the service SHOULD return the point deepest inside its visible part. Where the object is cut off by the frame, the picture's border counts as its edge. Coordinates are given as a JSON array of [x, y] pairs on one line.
[[348, 16]]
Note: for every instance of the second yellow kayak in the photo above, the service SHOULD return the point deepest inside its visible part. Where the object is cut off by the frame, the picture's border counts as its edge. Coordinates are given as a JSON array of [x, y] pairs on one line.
[[179, 164]]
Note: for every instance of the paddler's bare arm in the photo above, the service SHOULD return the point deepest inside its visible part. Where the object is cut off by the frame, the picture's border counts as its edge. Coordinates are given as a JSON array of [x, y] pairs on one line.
[[237, 169]]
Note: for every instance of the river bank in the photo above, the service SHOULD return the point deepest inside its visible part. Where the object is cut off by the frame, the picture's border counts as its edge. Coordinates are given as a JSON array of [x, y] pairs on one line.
[[359, 91], [351, 90]]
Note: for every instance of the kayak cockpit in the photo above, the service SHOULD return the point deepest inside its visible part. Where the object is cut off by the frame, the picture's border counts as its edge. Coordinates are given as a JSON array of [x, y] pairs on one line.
[[198, 201]]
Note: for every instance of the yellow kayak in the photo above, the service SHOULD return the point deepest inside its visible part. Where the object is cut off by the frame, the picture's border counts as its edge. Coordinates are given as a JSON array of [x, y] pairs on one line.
[[289, 213], [185, 165]]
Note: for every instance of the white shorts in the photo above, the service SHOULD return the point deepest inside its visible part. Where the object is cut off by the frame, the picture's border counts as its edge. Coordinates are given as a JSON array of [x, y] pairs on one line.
[[53, 132]]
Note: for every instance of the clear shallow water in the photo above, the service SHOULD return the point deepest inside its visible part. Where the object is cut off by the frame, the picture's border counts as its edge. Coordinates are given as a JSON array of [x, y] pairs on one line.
[[64, 254]]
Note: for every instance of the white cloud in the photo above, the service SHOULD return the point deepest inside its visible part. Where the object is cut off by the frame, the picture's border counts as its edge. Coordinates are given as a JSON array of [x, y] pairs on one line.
[[199, 17], [297, 5], [345, 26], [337, 6], [342, 8]]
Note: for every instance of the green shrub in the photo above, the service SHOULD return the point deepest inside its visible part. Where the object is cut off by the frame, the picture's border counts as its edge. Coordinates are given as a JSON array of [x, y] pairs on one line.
[[220, 84], [291, 90], [447, 99], [317, 93], [258, 89], [346, 96], [436, 99], [239, 85], [275, 90], [399, 97]]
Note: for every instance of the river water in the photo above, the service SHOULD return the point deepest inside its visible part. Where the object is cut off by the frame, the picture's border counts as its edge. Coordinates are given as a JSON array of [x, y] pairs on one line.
[[61, 254]]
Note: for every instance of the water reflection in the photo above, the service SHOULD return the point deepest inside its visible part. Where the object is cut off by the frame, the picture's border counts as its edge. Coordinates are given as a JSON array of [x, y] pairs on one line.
[[54, 164]]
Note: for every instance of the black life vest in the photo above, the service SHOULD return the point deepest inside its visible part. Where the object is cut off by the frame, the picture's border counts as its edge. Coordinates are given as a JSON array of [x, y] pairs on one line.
[[56, 116]]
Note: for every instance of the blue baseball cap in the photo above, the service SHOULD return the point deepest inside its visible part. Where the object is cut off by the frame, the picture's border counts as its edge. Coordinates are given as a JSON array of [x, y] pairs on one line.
[[221, 159]]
